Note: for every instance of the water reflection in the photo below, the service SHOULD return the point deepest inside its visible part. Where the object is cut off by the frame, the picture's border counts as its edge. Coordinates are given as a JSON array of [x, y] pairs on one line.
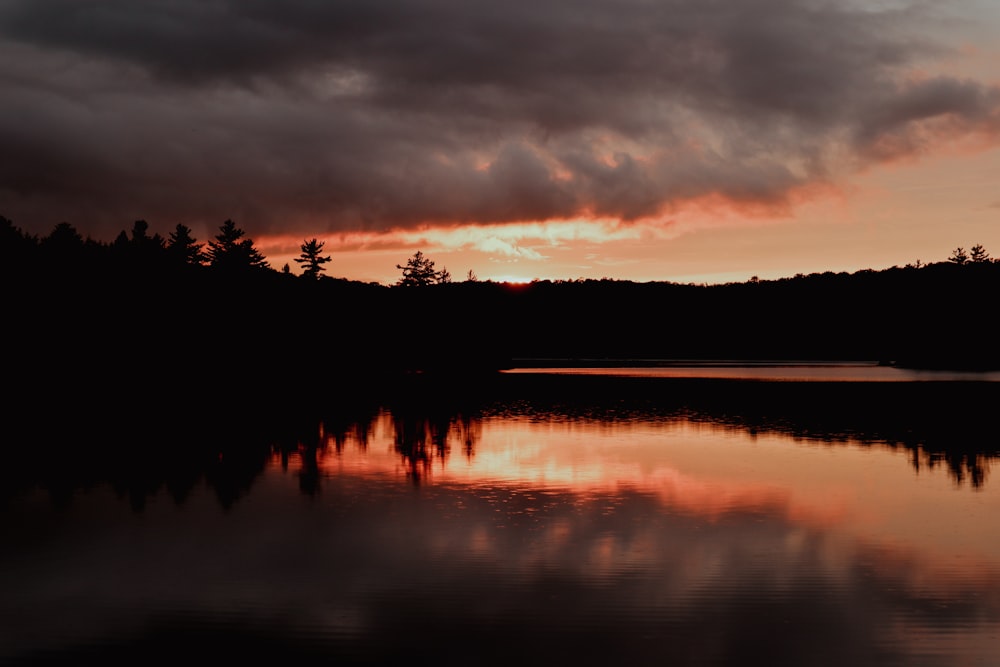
[[539, 522], [806, 371], [946, 425]]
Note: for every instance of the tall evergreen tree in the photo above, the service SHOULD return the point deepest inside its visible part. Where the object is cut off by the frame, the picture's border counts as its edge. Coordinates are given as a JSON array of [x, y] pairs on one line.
[[141, 237], [64, 236], [230, 251], [184, 248], [311, 259], [419, 270], [144, 245], [978, 254]]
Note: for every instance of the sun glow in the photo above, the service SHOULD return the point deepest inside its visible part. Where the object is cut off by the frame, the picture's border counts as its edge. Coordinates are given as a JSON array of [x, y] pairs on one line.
[[511, 280], [485, 249]]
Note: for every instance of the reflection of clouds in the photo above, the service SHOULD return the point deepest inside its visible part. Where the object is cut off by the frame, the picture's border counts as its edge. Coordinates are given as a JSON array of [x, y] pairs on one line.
[[381, 563]]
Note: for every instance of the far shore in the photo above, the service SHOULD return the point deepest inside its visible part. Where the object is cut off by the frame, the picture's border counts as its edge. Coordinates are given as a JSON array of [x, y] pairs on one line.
[[607, 362]]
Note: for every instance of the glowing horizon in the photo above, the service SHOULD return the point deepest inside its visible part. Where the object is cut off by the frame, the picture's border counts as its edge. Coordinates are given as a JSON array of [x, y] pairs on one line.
[[705, 242]]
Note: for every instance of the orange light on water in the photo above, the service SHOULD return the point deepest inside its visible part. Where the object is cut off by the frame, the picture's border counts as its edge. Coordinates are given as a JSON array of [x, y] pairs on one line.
[[701, 470]]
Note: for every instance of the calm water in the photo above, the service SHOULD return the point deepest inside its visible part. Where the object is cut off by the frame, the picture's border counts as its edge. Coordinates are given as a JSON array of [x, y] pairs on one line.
[[784, 371], [548, 522]]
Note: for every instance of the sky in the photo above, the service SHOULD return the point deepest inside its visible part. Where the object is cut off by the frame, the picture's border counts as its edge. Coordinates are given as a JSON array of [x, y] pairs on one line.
[[696, 141]]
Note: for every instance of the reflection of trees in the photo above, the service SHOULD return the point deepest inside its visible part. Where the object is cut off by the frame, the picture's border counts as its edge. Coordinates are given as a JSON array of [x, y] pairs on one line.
[[310, 438], [421, 437], [469, 430], [224, 445], [428, 422], [950, 424], [141, 451], [963, 449], [410, 440], [962, 466], [424, 432]]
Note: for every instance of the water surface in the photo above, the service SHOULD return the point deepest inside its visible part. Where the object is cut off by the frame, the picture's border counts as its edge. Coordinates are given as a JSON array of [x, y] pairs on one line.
[[806, 371], [554, 523]]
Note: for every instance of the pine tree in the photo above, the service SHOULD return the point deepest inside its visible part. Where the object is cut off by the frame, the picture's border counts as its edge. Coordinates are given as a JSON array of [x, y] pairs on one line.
[[230, 251], [419, 270], [184, 248], [978, 254], [311, 259]]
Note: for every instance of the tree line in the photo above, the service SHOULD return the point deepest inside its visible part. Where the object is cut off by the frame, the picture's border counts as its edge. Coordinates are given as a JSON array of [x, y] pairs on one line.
[[230, 250], [216, 314]]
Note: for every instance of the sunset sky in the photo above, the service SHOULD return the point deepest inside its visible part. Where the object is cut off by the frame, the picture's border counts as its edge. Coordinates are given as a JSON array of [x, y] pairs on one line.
[[682, 140]]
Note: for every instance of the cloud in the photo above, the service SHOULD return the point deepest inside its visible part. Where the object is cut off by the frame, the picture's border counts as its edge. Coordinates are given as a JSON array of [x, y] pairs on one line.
[[498, 246], [315, 118], [919, 115]]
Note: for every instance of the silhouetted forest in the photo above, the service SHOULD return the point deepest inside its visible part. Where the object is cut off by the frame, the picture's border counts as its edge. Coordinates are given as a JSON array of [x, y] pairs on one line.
[[177, 317]]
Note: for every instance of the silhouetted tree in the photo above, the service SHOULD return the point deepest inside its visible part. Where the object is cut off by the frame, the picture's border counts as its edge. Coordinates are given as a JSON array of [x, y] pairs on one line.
[[14, 242], [231, 251], [471, 277], [419, 270], [958, 256], [64, 251], [140, 251], [143, 246], [978, 254], [183, 247], [140, 232], [63, 236], [311, 258]]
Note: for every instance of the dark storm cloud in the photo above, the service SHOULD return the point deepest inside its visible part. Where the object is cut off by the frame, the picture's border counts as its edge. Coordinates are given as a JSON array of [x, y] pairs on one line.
[[370, 115]]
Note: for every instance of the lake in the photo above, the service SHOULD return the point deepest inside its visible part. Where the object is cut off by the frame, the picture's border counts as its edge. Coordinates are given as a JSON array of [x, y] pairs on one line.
[[764, 516]]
